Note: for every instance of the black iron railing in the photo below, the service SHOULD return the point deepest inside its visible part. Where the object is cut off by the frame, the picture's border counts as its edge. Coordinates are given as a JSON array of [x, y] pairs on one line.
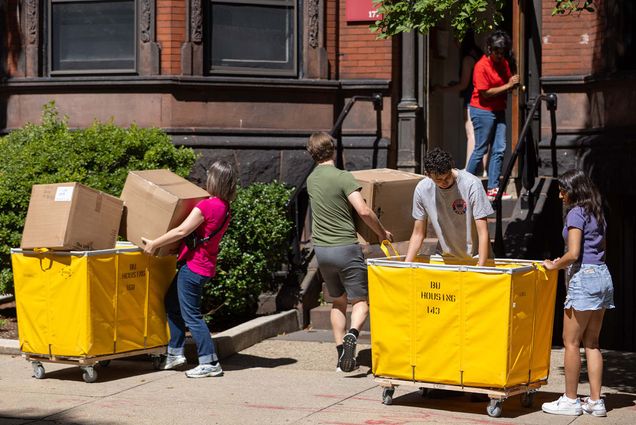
[[525, 144]]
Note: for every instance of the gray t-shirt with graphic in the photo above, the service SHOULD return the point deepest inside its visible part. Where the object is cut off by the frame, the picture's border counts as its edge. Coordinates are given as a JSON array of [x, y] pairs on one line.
[[452, 212]]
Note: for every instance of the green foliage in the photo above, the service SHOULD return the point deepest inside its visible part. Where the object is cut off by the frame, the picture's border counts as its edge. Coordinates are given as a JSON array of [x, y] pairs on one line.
[[566, 7], [255, 246], [400, 16], [99, 156]]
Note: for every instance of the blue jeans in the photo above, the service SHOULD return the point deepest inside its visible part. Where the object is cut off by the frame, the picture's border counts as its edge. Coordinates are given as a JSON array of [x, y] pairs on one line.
[[183, 306], [490, 130]]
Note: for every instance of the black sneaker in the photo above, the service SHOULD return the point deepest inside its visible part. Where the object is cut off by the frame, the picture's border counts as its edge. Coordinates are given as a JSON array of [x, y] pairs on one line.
[[348, 358]]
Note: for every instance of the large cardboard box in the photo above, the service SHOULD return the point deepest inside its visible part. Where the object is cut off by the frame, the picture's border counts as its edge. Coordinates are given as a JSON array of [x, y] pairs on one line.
[[389, 193], [71, 216], [155, 202]]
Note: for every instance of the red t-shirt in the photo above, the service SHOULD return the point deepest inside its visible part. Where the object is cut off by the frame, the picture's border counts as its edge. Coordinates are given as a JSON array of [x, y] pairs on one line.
[[203, 259], [487, 75]]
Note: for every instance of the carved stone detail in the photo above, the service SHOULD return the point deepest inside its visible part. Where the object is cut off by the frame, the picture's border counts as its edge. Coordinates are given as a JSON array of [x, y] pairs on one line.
[[145, 21], [314, 27], [32, 21], [196, 22]]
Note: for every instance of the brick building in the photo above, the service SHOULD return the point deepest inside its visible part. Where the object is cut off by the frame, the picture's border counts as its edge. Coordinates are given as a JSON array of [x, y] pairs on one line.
[[251, 79]]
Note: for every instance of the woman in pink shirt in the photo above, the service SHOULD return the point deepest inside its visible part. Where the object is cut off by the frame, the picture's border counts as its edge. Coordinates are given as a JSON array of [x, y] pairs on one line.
[[205, 225]]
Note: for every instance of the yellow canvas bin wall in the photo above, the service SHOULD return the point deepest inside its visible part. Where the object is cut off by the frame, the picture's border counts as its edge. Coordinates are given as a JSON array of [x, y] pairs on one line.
[[461, 325], [91, 303]]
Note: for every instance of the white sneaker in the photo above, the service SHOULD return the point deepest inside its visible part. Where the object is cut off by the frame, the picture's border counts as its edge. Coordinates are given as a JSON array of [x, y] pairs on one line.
[[563, 406], [205, 370], [170, 362], [594, 407]]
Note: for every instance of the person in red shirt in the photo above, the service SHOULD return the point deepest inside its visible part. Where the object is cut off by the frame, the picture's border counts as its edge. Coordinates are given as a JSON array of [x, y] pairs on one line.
[[492, 79]]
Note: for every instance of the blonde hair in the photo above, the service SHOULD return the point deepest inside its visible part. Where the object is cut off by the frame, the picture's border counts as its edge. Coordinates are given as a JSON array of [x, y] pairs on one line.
[[321, 146], [222, 180]]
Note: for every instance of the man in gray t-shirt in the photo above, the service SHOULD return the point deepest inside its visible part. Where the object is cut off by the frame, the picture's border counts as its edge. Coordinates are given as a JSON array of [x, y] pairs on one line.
[[456, 204]]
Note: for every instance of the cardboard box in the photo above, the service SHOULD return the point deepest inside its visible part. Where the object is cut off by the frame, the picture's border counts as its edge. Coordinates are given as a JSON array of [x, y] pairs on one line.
[[155, 202], [71, 216], [389, 193]]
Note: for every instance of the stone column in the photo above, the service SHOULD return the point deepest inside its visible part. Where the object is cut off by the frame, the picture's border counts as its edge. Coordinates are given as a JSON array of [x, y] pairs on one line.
[[192, 49], [408, 146], [314, 53], [149, 54]]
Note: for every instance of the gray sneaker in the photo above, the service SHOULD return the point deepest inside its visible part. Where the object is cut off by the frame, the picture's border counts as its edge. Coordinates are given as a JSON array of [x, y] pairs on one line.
[[170, 362], [205, 370], [594, 407]]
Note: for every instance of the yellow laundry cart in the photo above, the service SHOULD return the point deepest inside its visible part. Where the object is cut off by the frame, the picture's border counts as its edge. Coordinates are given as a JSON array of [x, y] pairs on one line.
[[441, 324], [89, 307]]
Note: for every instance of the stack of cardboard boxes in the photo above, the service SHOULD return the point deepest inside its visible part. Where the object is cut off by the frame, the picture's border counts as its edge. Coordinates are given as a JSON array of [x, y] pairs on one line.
[[73, 217]]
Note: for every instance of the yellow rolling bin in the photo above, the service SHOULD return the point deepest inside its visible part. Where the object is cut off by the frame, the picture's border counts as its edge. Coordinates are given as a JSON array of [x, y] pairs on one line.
[[89, 307], [456, 326]]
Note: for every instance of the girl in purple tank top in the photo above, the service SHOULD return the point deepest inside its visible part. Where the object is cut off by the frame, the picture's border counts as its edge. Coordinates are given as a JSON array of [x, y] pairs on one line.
[[589, 292]]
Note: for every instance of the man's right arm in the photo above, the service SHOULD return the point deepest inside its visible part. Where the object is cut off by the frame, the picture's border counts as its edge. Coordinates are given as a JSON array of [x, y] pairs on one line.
[[417, 237]]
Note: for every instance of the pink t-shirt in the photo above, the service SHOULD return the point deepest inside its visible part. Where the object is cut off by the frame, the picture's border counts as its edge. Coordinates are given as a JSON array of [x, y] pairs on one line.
[[203, 259]]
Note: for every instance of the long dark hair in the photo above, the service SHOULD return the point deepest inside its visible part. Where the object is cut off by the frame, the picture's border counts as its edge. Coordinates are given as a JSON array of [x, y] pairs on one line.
[[469, 47], [582, 192]]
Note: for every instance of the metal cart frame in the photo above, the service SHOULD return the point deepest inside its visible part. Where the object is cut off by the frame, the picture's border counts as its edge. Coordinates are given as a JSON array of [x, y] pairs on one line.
[[497, 395], [88, 364]]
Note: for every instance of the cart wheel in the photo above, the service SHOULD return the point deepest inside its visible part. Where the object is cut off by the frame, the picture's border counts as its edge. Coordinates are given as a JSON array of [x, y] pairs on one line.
[[387, 396], [527, 399], [494, 408], [89, 375], [424, 391], [156, 362], [104, 363], [38, 370]]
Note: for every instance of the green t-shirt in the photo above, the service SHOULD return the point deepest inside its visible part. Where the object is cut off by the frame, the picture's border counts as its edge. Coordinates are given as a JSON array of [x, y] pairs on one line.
[[331, 212]]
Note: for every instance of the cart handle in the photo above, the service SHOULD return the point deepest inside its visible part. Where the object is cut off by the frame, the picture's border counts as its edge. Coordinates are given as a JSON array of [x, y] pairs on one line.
[[385, 245]]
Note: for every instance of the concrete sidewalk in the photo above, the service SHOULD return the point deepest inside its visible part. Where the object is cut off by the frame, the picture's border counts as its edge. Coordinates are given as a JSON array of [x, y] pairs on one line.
[[286, 379]]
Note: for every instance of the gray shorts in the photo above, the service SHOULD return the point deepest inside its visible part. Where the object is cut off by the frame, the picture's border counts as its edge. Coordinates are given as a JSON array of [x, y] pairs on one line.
[[343, 269], [590, 288]]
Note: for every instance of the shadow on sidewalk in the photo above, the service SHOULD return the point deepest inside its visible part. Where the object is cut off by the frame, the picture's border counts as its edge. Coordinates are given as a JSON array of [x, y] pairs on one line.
[[247, 361], [43, 417], [619, 371]]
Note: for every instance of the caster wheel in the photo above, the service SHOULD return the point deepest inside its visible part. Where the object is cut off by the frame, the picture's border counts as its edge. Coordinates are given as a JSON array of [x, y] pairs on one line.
[[104, 363], [387, 396], [38, 370], [494, 408], [527, 399], [424, 392], [156, 362], [89, 375]]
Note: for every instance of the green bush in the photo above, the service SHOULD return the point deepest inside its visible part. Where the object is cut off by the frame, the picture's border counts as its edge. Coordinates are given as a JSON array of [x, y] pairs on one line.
[[255, 246], [99, 156]]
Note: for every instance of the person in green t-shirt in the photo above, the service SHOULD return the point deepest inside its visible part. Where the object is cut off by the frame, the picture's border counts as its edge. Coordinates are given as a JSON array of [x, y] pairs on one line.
[[333, 195]]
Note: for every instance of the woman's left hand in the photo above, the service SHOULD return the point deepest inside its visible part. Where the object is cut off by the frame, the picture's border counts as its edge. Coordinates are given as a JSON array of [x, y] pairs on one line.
[[549, 264], [149, 247]]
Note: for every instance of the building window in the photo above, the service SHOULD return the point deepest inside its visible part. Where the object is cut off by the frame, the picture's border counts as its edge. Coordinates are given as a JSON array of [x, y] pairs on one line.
[[252, 36], [92, 36]]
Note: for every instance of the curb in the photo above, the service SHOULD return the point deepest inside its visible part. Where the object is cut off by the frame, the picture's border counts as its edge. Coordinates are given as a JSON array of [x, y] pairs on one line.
[[227, 342]]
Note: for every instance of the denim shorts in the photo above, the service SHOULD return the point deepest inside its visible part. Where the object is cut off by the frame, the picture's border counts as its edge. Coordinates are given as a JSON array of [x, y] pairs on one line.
[[590, 288]]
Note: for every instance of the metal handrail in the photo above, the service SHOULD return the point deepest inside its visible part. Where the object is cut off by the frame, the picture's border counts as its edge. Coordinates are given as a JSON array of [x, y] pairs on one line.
[[335, 133], [551, 103]]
